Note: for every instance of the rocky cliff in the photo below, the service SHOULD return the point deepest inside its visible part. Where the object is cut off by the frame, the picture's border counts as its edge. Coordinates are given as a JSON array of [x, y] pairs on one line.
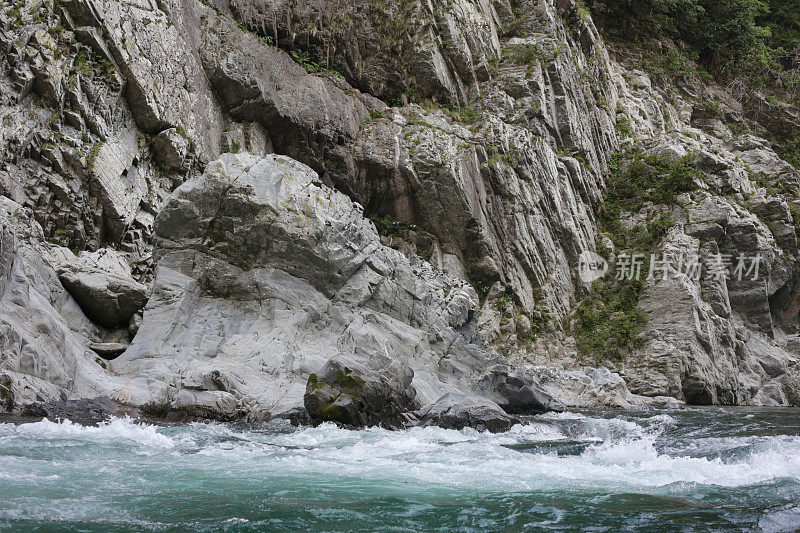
[[238, 209]]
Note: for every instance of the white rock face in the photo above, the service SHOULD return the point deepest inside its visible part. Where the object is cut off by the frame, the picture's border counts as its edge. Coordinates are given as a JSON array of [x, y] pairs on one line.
[[487, 145], [44, 335], [588, 387], [264, 274]]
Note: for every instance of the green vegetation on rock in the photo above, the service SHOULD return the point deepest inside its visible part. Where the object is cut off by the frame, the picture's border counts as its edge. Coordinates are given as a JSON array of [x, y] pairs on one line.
[[757, 41], [638, 177], [353, 384], [6, 395], [608, 321], [388, 225]]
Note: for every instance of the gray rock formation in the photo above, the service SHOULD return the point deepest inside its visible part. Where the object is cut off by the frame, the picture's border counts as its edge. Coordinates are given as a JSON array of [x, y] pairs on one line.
[[102, 284], [44, 335], [723, 339], [518, 392], [590, 387], [459, 411], [264, 274]]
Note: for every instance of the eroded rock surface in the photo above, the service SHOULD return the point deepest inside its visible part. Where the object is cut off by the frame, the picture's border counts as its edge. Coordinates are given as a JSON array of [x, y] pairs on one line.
[[102, 284], [44, 335], [459, 411]]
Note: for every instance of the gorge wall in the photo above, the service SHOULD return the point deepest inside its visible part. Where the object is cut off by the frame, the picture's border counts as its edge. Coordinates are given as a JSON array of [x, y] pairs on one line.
[[190, 185]]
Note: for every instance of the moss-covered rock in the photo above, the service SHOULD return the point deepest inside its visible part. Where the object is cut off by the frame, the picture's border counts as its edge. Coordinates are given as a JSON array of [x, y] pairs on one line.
[[361, 391], [6, 395]]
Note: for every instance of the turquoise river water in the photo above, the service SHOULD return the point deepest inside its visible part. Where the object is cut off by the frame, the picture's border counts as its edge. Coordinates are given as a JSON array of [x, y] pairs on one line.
[[677, 470]]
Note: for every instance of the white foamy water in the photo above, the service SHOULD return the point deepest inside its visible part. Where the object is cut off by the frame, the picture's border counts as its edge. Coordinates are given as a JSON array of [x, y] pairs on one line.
[[549, 473]]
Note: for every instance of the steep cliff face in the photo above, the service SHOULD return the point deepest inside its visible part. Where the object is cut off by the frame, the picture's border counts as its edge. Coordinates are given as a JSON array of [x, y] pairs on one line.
[[479, 136]]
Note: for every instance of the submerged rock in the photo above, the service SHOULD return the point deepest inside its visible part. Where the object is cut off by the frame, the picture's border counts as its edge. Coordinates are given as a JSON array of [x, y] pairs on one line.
[[86, 410]]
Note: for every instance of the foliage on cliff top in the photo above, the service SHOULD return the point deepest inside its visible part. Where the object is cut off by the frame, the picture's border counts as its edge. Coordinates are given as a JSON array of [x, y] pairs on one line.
[[755, 40]]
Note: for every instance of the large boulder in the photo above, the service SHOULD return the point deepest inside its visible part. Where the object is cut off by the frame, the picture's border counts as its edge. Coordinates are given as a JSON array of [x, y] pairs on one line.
[[588, 387], [264, 274], [361, 391], [459, 411], [519, 394]]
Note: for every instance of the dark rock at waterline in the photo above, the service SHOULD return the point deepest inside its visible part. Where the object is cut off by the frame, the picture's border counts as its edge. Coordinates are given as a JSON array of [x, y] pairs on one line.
[[518, 394], [296, 417], [201, 404], [6, 394], [458, 411], [359, 391], [102, 408], [84, 409]]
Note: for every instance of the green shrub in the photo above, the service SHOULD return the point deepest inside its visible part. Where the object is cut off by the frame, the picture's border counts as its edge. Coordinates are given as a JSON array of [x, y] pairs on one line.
[[539, 320], [504, 301], [583, 10], [609, 321], [623, 127], [637, 177], [387, 225], [465, 115], [94, 152], [302, 58], [495, 156], [754, 40], [789, 150], [795, 210]]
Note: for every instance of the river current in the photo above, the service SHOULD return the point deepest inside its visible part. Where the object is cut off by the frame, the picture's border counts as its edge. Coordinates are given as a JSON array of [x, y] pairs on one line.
[[676, 470]]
